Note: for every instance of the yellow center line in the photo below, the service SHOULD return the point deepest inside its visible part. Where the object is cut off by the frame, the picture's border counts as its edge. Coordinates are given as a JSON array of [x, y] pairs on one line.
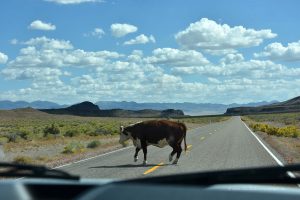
[[153, 168], [202, 138]]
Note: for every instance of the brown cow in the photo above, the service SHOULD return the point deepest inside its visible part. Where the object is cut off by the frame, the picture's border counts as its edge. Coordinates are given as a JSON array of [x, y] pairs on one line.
[[157, 133]]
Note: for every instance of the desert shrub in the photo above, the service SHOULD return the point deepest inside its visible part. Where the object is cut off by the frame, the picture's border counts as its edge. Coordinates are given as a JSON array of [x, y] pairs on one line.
[[93, 144], [73, 147], [51, 130], [23, 160], [271, 130], [72, 133], [25, 134], [12, 137], [287, 131], [99, 131]]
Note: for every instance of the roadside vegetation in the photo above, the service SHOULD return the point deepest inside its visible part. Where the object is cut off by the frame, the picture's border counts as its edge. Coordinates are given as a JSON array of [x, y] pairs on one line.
[[287, 131], [281, 124], [281, 131]]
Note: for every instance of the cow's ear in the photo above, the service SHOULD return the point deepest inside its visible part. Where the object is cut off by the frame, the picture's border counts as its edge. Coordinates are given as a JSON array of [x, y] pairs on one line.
[[121, 129]]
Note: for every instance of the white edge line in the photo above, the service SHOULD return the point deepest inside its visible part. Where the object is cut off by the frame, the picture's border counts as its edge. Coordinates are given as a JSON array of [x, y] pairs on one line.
[[104, 154], [266, 148]]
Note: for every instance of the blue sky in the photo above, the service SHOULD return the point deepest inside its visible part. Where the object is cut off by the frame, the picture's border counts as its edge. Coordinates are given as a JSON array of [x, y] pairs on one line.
[[68, 51]]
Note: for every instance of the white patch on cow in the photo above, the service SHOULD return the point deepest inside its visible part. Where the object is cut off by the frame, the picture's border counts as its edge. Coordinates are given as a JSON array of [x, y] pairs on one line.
[[161, 143], [137, 143], [145, 162], [124, 138]]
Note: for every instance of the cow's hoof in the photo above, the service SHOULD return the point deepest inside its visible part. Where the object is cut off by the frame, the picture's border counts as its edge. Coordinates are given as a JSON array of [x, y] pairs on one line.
[[136, 159], [145, 162], [175, 161], [170, 158]]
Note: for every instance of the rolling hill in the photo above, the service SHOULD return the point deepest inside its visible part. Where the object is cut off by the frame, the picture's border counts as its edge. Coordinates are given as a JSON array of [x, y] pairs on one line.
[[291, 105]]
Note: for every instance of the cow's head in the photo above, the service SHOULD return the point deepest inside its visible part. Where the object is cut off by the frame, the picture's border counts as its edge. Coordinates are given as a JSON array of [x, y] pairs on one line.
[[124, 135]]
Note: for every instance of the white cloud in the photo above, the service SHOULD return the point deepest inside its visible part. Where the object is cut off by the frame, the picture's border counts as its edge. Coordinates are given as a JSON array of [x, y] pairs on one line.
[[213, 80], [220, 52], [31, 73], [176, 57], [45, 52], [251, 69], [276, 51], [140, 39], [3, 58], [48, 43], [97, 32], [120, 30], [163, 76], [136, 56], [207, 34], [232, 58], [39, 25], [74, 1]]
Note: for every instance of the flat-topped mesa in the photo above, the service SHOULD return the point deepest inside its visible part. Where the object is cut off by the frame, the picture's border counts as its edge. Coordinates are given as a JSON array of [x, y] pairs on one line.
[[87, 108]]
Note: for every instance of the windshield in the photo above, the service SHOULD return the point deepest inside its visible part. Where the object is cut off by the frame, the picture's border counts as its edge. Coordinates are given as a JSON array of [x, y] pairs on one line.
[[123, 89]]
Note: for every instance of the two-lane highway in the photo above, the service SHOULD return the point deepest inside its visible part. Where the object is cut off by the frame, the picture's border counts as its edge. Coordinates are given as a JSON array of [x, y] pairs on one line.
[[222, 145]]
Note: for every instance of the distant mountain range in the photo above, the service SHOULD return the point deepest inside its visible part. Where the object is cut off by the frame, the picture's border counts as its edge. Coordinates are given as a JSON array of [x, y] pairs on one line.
[[91, 110], [291, 105], [187, 108], [8, 105]]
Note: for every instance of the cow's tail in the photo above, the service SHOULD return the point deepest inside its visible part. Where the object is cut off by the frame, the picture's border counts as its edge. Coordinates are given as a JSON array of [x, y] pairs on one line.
[[184, 136]]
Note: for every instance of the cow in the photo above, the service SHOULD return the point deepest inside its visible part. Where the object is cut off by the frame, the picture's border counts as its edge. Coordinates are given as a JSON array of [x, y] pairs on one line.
[[158, 133]]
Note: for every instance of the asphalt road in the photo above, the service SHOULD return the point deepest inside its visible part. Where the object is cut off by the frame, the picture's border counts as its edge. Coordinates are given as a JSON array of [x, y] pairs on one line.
[[223, 145]]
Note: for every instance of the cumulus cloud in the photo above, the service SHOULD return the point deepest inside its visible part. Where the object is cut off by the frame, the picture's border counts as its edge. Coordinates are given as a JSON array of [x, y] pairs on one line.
[[209, 35], [176, 57], [42, 52], [162, 76], [252, 69], [39, 25], [232, 58], [97, 32], [3, 58], [276, 51], [213, 80], [31, 73], [74, 1], [140, 39], [48, 43], [120, 30]]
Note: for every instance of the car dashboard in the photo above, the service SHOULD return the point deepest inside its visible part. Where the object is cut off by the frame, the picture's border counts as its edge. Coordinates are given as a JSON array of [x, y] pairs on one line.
[[89, 189]]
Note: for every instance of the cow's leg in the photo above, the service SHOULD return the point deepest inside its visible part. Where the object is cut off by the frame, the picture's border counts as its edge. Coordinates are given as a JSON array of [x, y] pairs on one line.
[[179, 150], [136, 154], [144, 147], [172, 154]]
